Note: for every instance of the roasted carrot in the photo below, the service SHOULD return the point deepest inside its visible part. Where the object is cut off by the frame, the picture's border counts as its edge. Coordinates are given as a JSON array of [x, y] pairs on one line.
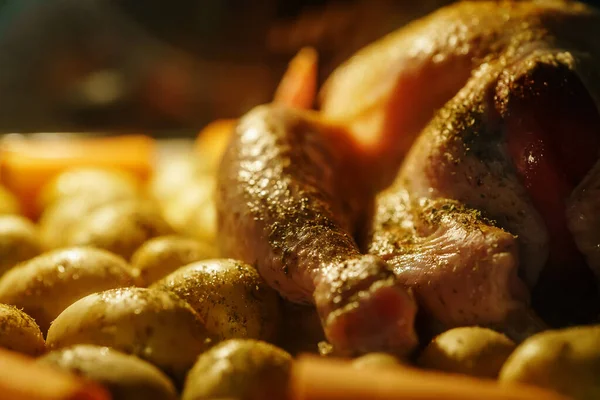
[[23, 379], [26, 165], [324, 379], [298, 87]]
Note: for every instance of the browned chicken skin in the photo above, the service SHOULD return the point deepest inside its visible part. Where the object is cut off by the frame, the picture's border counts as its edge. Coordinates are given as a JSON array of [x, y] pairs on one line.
[[480, 211]]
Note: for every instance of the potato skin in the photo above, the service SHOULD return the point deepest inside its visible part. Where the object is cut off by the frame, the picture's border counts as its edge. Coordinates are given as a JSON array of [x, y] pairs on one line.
[[19, 241], [162, 255], [376, 360], [565, 360], [19, 332], [126, 377], [120, 228], [230, 296], [89, 182], [240, 369], [192, 209], [62, 216], [154, 325], [472, 350], [47, 284]]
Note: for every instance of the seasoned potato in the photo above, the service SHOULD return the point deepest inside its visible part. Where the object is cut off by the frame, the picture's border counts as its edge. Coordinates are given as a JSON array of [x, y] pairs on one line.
[[192, 210], [120, 228], [88, 182], [19, 241], [376, 360], [471, 350], [239, 369], [57, 221], [151, 324], [126, 377], [8, 202], [160, 256], [566, 360], [47, 284], [229, 295], [19, 332], [173, 174]]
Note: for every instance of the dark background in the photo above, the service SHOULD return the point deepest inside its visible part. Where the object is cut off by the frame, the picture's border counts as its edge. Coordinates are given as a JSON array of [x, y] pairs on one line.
[[168, 67]]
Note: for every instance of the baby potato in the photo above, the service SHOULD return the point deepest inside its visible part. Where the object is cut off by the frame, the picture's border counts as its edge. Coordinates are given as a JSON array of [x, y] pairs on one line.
[[9, 204], [120, 227], [469, 350], [59, 218], [19, 332], [173, 173], [239, 369], [376, 360], [565, 360], [47, 284], [154, 325], [192, 210], [230, 296], [19, 241], [162, 255], [89, 182], [126, 377]]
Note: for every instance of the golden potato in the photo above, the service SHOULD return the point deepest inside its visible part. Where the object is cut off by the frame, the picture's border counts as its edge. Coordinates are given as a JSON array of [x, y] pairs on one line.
[[230, 296], [376, 360], [47, 284], [162, 255], [57, 221], [192, 210], [88, 182], [239, 369], [154, 325], [126, 377], [566, 360], [469, 350], [120, 227], [19, 332], [19, 241], [9, 204], [173, 173]]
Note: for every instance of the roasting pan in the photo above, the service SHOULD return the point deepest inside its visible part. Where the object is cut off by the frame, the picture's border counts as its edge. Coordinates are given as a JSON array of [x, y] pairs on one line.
[[96, 67]]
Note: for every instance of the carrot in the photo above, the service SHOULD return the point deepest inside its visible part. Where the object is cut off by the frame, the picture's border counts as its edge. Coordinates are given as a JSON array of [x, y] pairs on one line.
[[26, 165], [23, 379], [298, 87], [316, 378]]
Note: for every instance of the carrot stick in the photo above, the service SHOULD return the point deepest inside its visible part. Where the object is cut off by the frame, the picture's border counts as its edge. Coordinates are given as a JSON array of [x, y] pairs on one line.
[[23, 379], [298, 87], [26, 165], [316, 378]]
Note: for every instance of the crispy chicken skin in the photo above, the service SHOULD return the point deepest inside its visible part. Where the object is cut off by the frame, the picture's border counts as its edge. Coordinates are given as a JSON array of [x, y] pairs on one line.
[[465, 142]]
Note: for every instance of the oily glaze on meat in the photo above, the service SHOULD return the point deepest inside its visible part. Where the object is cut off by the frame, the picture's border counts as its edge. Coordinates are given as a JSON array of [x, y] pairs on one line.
[[285, 207], [480, 211]]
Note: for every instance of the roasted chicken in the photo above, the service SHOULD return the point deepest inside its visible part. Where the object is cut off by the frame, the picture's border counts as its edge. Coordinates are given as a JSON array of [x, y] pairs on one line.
[[453, 165]]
